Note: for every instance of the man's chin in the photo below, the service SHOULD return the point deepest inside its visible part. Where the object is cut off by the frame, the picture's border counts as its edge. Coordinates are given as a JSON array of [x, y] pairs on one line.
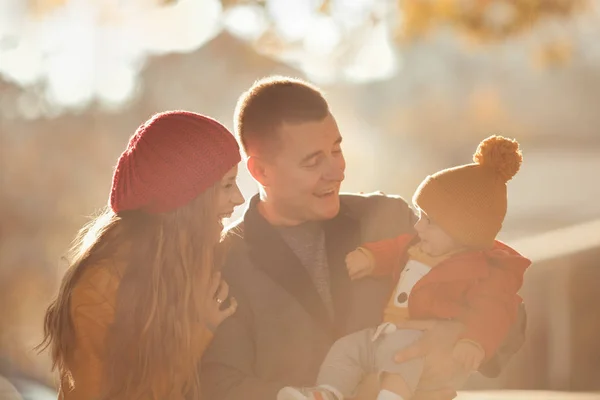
[[330, 212]]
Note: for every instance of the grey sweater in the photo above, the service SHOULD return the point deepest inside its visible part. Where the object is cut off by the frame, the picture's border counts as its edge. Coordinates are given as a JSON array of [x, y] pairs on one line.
[[307, 241]]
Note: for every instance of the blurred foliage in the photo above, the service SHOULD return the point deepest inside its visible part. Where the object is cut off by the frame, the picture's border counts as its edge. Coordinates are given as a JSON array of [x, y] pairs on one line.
[[481, 20], [42, 7], [553, 54]]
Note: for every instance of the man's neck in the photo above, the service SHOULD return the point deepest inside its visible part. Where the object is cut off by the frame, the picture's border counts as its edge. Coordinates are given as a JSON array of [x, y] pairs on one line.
[[269, 211]]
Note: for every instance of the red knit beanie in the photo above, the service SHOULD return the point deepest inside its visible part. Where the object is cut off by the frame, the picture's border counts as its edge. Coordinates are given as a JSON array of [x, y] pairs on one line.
[[170, 160]]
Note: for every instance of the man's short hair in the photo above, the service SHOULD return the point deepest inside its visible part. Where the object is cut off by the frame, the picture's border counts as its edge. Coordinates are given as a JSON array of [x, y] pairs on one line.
[[270, 103]]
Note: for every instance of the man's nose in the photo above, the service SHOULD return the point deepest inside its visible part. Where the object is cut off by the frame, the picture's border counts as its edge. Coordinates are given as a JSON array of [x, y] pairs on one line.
[[335, 171]]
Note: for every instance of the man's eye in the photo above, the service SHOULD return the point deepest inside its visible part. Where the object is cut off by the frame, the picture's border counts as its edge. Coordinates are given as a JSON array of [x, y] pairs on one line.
[[312, 163]]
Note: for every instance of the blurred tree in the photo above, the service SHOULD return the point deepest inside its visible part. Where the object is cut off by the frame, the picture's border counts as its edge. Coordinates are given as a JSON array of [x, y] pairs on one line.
[[555, 53], [328, 40], [42, 7], [407, 21], [482, 20]]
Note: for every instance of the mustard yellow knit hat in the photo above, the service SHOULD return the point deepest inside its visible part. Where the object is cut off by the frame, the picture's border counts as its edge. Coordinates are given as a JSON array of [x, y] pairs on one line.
[[469, 201]]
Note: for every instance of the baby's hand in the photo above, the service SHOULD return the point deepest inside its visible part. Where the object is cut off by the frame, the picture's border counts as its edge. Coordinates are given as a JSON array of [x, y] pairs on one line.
[[359, 263], [468, 354]]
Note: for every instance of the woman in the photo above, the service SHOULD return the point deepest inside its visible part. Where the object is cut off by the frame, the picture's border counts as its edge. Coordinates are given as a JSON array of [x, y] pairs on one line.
[[138, 305]]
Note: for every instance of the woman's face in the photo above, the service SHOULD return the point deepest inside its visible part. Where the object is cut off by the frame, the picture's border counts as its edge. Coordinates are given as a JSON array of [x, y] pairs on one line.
[[229, 195]]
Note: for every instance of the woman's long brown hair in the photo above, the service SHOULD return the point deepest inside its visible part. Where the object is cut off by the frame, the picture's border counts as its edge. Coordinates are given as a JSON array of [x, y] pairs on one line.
[[169, 259]]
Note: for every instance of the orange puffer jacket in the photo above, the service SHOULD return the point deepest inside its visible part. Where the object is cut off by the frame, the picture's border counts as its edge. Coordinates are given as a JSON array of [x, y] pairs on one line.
[[92, 311]]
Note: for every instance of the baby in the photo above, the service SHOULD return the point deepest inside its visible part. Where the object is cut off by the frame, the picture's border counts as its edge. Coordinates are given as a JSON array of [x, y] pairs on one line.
[[454, 268]]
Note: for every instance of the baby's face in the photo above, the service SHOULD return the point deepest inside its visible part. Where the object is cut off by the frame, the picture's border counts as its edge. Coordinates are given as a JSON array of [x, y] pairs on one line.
[[434, 241]]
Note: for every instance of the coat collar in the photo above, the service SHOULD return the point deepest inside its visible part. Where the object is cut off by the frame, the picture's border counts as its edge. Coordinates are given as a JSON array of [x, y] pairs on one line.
[[270, 253]]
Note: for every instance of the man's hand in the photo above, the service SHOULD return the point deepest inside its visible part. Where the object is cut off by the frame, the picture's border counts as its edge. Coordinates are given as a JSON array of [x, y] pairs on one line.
[[468, 354], [438, 337], [359, 263], [436, 346]]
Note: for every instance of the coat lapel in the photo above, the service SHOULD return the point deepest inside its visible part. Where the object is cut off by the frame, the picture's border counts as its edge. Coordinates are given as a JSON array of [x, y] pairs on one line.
[[270, 253], [342, 235]]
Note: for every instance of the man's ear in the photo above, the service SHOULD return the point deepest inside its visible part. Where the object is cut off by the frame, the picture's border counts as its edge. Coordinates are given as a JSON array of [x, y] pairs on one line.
[[258, 168]]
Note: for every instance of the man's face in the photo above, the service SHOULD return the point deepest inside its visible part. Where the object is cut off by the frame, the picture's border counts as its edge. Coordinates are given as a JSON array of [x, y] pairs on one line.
[[306, 172]]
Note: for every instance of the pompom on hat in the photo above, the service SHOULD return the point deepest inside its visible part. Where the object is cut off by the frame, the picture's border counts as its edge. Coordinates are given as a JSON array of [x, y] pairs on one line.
[[469, 201], [170, 160]]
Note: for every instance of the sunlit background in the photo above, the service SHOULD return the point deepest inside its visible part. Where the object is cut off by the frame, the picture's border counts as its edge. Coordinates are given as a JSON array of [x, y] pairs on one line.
[[414, 85]]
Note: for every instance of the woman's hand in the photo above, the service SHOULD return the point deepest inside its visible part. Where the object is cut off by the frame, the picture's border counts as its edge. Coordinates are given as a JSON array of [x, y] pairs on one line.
[[218, 291]]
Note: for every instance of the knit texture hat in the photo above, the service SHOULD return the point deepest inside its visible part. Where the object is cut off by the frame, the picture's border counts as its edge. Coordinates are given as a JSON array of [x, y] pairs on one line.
[[170, 160], [469, 201]]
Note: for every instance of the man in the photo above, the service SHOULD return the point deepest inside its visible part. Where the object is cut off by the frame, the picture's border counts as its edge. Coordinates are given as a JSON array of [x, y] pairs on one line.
[[286, 260]]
